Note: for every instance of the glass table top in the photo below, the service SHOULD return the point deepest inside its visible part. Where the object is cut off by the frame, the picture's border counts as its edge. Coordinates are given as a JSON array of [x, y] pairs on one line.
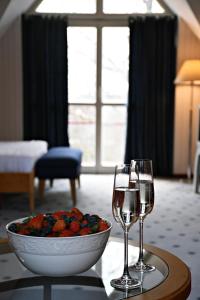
[[18, 283]]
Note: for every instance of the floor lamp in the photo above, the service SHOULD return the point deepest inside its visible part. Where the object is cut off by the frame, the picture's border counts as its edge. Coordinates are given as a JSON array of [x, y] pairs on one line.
[[189, 74]]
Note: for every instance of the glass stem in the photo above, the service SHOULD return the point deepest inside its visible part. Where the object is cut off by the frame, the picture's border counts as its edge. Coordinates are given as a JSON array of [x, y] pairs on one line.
[[141, 258], [126, 271]]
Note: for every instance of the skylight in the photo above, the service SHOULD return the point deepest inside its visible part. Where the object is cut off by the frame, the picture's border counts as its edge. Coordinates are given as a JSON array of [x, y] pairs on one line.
[[67, 6], [132, 6], [109, 6]]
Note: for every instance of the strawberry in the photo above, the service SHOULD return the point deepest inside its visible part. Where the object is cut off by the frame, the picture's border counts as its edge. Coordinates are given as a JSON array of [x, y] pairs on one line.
[[103, 225], [59, 226], [85, 231], [58, 214], [52, 234], [84, 222], [77, 213], [24, 231], [45, 223], [74, 226], [36, 222], [66, 232]]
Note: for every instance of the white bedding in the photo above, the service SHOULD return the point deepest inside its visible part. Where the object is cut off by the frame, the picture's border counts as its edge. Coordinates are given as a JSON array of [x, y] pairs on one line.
[[20, 156]]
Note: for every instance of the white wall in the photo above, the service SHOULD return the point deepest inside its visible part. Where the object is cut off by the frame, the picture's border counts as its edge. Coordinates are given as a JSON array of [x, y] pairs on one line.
[[11, 108], [11, 84], [188, 48]]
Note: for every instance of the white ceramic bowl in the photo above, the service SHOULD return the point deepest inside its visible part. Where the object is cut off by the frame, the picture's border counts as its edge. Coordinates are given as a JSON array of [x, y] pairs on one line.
[[58, 256]]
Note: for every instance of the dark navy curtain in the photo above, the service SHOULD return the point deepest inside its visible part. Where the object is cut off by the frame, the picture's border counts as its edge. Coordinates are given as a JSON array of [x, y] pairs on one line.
[[151, 91], [45, 79]]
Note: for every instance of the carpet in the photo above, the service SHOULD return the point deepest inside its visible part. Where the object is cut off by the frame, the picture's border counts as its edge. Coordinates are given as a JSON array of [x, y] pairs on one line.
[[173, 225]]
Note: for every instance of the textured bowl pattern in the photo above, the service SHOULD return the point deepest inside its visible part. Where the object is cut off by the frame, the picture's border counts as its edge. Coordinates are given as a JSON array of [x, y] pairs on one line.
[[58, 256]]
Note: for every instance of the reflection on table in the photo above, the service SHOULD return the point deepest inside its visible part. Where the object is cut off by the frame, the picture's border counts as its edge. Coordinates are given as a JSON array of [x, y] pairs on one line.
[[16, 282]]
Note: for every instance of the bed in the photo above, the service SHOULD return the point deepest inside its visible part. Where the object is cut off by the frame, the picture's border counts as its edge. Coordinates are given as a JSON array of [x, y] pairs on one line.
[[17, 161]]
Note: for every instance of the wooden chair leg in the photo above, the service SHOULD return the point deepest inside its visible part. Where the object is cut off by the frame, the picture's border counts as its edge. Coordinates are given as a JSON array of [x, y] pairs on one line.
[[1, 201], [41, 188], [51, 183], [79, 181], [73, 190], [31, 192]]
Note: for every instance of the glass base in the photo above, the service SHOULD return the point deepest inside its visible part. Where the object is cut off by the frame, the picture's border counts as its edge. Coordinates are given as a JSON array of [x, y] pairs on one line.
[[141, 267], [125, 283]]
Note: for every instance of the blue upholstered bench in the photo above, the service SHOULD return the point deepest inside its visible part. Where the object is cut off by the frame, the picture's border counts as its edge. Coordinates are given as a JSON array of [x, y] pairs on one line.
[[60, 162]]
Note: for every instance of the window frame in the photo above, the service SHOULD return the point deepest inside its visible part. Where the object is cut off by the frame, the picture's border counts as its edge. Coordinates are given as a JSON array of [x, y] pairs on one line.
[[98, 168]]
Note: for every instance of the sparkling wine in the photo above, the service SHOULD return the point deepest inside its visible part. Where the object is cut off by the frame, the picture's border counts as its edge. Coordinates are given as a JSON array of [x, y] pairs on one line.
[[126, 205], [146, 197]]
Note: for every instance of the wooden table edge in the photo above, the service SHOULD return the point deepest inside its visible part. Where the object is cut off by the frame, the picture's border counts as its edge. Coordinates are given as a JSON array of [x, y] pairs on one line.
[[176, 286]]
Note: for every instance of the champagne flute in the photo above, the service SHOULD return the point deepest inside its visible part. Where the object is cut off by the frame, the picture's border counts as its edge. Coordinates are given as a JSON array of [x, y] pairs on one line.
[[126, 208], [145, 172]]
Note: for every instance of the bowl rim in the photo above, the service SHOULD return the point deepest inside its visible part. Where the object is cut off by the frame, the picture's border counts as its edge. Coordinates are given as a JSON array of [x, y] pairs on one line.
[[58, 237]]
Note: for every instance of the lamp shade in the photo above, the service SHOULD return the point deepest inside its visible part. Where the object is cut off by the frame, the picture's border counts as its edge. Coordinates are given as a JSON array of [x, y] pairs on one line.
[[189, 72]]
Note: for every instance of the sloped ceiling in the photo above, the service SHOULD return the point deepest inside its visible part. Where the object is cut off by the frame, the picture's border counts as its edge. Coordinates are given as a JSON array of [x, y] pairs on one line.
[[10, 10], [188, 10], [195, 6], [3, 6]]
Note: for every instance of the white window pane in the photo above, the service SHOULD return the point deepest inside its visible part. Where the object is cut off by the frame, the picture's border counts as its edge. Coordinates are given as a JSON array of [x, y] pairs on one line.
[[67, 6], [115, 64], [82, 64], [113, 134], [131, 6], [82, 129]]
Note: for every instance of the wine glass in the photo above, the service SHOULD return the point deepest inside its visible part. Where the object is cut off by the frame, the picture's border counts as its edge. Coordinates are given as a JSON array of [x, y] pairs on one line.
[[145, 172], [126, 208]]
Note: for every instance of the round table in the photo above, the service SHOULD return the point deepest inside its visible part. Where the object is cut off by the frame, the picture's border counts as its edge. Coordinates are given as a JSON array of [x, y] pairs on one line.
[[171, 280]]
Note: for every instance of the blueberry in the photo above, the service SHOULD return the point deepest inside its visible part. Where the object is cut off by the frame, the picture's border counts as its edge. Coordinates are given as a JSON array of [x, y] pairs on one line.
[[86, 216], [94, 228], [13, 227], [66, 219], [92, 223], [92, 219], [84, 225], [50, 220], [34, 232], [72, 219], [97, 217], [45, 231]]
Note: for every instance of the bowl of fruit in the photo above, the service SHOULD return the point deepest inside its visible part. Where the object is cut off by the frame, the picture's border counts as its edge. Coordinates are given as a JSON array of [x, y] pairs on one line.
[[60, 243]]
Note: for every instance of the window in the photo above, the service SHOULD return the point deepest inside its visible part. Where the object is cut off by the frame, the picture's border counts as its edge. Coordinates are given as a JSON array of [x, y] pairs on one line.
[[98, 51], [97, 120], [82, 47]]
